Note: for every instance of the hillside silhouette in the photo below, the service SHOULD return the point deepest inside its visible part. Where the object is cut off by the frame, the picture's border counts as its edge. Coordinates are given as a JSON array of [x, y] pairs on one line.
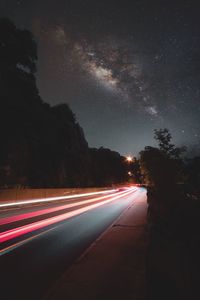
[[43, 145]]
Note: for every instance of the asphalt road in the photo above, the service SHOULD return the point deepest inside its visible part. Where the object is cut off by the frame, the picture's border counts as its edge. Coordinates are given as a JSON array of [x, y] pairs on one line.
[[38, 242]]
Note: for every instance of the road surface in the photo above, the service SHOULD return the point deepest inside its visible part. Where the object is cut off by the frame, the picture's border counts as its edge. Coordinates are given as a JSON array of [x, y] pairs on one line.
[[38, 241]]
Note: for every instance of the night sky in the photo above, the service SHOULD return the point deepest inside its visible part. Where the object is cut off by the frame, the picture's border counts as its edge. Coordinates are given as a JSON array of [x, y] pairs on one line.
[[124, 67]]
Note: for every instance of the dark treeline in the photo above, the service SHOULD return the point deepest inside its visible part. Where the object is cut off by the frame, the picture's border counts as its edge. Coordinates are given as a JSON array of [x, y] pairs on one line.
[[170, 176], [43, 145], [173, 190]]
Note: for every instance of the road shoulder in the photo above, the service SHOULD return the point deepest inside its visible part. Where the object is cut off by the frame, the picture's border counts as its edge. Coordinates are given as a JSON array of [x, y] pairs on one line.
[[115, 265]]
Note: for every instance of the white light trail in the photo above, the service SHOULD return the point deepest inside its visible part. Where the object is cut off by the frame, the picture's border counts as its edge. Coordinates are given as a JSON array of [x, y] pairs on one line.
[[49, 199], [29, 215], [13, 233]]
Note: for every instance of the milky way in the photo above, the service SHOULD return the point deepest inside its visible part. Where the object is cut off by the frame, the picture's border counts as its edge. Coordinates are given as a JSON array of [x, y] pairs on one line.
[[111, 64]]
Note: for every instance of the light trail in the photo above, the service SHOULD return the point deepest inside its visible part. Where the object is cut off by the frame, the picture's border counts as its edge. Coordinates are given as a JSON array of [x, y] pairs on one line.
[[29, 215], [20, 243], [16, 232], [49, 199]]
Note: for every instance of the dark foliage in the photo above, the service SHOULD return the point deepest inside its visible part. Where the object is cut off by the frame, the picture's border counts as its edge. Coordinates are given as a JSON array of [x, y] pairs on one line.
[[163, 137], [173, 218], [108, 167], [192, 174], [135, 169], [42, 146]]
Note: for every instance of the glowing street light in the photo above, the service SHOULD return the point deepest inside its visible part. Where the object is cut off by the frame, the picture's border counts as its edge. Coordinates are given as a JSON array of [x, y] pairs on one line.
[[129, 158]]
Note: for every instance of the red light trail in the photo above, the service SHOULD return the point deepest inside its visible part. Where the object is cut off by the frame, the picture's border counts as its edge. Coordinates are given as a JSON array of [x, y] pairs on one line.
[[19, 231]]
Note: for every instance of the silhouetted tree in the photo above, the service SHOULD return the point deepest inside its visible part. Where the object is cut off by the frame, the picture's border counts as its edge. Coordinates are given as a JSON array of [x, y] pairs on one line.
[[43, 146], [108, 167], [19, 95], [162, 170], [192, 172], [157, 168], [163, 137], [18, 51], [162, 166]]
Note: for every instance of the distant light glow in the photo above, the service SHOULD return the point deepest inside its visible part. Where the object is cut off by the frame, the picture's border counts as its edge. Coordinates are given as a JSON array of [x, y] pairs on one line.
[[129, 158]]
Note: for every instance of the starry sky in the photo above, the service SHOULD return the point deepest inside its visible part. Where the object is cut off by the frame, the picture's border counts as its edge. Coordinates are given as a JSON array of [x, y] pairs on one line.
[[124, 67]]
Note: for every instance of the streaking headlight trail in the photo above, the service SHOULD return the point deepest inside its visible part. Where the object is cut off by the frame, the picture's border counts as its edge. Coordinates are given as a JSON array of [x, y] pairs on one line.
[[16, 232]]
